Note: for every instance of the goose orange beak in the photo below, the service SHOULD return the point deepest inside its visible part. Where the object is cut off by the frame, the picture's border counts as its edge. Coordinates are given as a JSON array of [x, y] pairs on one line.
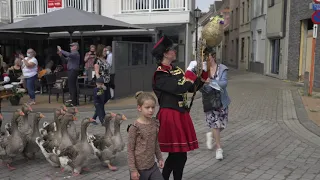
[[41, 115], [124, 117], [64, 108], [74, 118], [21, 113], [113, 114], [92, 120], [30, 109]]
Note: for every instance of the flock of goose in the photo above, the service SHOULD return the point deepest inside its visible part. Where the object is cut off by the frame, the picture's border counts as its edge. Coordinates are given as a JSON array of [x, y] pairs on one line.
[[59, 141]]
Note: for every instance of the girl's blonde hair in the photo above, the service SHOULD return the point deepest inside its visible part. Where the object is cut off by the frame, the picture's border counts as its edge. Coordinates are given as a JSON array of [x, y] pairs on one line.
[[144, 96]]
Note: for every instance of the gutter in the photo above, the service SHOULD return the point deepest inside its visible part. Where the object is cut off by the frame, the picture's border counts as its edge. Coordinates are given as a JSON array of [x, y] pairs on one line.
[[284, 24], [11, 11]]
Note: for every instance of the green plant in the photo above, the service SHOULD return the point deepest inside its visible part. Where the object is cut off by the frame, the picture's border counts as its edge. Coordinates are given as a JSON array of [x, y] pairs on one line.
[[17, 92]]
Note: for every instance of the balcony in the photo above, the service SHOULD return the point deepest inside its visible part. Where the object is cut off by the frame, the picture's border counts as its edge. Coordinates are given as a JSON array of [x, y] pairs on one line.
[[4, 11], [29, 8], [134, 6], [146, 12]]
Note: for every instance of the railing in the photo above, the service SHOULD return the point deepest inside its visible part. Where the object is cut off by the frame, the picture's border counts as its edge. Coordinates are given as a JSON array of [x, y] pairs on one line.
[[28, 8], [4, 11], [132, 6]]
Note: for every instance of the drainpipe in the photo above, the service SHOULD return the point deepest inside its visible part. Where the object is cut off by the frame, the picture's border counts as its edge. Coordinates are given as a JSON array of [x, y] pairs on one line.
[[11, 11], [99, 2], [284, 24]]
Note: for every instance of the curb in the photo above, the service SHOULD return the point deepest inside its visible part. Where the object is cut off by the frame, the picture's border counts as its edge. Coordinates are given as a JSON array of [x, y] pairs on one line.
[[117, 108], [303, 115]]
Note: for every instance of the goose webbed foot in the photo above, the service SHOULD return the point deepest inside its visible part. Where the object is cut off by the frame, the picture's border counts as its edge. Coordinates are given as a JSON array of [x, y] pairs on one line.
[[112, 168], [75, 174], [11, 168], [85, 169]]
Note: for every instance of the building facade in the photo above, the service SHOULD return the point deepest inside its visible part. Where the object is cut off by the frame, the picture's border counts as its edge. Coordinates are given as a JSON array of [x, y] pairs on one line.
[[232, 49], [277, 28], [300, 42], [4, 11], [258, 34], [245, 34]]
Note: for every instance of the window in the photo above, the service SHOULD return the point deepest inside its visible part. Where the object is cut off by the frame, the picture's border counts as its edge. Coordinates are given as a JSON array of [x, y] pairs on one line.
[[275, 56], [248, 11], [249, 48], [236, 24], [232, 49], [242, 49], [243, 10], [270, 3], [137, 51], [231, 20]]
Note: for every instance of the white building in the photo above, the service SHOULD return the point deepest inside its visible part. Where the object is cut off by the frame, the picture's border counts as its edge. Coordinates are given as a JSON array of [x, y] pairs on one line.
[[4, 11], [258, 33], [171, 17]]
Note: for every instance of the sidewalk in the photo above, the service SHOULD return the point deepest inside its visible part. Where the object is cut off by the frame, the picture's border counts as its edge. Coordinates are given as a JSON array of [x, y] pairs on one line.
[[43, 104]]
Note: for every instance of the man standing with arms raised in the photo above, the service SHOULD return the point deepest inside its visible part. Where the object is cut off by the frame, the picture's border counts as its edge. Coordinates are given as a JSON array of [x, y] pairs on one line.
[[73, 61]]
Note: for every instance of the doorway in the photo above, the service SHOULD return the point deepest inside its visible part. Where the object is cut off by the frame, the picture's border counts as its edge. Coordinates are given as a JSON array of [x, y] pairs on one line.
[[275, 56]]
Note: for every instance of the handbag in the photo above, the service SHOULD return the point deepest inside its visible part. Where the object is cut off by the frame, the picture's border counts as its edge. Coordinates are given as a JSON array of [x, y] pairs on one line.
[[211, 98]]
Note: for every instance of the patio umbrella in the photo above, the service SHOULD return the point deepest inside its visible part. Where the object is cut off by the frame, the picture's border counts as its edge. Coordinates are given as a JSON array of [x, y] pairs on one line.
[[68, 19]]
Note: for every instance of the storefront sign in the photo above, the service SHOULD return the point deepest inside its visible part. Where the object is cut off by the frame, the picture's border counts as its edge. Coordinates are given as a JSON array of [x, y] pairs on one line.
[[54, 5]]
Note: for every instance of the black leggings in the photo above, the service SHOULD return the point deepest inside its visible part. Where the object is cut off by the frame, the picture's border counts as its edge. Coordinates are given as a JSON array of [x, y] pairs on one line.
[[175, 162]]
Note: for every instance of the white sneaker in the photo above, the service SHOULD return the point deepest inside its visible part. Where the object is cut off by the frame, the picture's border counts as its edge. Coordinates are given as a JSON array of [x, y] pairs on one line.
[[209, 140], [219, 154]]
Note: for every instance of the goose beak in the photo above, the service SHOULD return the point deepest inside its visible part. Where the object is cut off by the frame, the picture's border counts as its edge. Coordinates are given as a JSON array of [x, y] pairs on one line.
[[64, 108], [21, 113], [30, 109], [41, 115], [124, 117], [113, 114], [91, 120], [1, 117], [74, 118], [76, 110]]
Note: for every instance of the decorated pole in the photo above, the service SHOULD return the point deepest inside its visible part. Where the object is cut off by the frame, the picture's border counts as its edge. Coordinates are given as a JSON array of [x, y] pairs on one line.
[[211, 36]]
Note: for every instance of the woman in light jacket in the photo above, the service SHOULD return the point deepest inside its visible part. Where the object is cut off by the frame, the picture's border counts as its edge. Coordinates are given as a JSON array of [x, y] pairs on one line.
[[215, 103]]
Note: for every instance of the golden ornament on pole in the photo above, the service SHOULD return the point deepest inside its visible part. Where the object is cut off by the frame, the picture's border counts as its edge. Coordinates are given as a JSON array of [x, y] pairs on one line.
[[212, 32]]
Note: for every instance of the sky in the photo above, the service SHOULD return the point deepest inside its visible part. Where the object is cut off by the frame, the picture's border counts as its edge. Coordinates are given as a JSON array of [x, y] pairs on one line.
[[204, 4]]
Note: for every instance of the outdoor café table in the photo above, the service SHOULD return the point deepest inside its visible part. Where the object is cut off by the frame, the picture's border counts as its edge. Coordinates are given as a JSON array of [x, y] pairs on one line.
[[4, 93], [79, 77]]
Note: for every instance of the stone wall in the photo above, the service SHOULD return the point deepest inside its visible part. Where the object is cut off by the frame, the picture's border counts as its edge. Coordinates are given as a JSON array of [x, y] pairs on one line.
[[299, 10]]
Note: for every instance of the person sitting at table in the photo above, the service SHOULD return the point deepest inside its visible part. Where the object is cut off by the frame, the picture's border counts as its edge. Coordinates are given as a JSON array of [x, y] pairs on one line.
[[15, 71]]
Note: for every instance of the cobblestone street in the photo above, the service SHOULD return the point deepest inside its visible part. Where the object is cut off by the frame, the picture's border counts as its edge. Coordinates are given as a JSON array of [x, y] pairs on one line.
[[264, 140]]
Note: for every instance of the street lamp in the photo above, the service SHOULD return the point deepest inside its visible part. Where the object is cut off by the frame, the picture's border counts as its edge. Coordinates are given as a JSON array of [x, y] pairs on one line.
[[197, 14]]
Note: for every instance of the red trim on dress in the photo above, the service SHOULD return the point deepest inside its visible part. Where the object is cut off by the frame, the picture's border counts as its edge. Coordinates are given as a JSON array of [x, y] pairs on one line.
[[190, 75]]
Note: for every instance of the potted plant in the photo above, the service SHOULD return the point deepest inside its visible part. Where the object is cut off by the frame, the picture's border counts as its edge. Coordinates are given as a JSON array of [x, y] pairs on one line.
[[17, 95]]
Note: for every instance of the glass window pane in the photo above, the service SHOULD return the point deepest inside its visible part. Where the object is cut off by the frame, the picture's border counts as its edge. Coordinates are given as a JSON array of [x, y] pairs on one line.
[[137, 54]]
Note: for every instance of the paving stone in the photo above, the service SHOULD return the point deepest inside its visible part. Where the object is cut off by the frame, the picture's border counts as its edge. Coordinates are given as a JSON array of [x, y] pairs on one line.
[[263, 140]]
